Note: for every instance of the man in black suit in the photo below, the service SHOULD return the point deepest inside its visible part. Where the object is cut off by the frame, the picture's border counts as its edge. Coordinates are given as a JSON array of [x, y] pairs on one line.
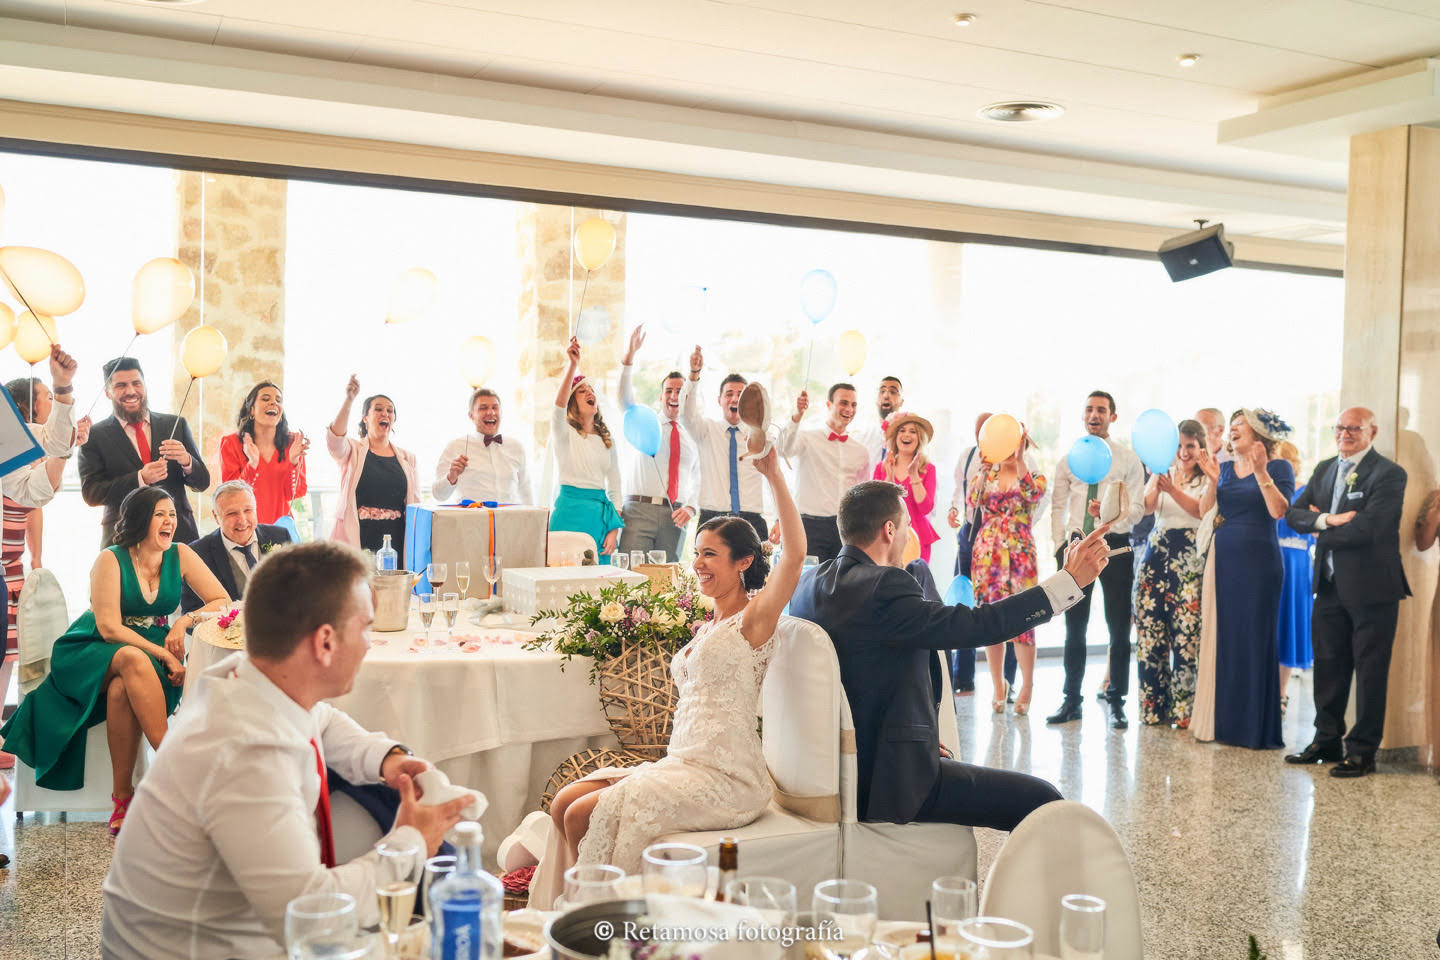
[[885, 634], [135, 448], [233, 549], [1352, 503]]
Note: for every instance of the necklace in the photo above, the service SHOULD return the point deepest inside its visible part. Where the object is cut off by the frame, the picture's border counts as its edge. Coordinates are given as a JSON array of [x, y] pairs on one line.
[[149, 579]]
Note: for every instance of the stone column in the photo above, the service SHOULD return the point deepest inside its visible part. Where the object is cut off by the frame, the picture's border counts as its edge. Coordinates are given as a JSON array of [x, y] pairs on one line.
[[244, 274]]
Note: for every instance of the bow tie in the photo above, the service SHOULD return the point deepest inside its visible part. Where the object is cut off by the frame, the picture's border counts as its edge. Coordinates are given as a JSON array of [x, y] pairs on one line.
[[838, 436], [494, 438]]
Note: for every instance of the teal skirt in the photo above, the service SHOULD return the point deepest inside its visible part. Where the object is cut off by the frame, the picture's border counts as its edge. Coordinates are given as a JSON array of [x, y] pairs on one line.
[[585, 511]]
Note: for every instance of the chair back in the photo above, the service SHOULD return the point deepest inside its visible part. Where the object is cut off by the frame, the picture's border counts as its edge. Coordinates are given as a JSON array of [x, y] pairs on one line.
[[287, 523], [806, 729], [1062, 848], [40, 619], [568, 541]]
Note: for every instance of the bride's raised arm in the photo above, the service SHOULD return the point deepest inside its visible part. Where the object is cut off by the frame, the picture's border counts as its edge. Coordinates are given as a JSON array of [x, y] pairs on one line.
[[763, 611]]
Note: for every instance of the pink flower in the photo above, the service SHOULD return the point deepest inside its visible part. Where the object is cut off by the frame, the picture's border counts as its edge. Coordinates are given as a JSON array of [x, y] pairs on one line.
[[639, 614], [227, 618]]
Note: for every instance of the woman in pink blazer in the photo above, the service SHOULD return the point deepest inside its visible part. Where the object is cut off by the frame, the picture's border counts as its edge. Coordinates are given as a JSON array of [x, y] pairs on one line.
[[377, 478]]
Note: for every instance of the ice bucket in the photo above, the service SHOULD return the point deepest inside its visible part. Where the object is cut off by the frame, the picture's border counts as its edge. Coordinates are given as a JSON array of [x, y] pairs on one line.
[[392, 599]]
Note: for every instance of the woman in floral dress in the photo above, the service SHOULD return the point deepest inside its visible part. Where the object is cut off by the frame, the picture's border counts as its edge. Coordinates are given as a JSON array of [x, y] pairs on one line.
[[1003, 559]]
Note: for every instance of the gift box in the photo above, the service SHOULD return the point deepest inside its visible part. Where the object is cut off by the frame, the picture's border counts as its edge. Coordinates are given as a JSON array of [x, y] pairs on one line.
[[436, 534], [528, 590]]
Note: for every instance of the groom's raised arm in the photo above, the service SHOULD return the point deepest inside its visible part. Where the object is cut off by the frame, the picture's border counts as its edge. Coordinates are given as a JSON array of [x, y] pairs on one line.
[[912, 621]]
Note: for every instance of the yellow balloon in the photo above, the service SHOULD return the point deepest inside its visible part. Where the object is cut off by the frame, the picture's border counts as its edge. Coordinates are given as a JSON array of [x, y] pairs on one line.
[[7, 326], [412, 296], [33, 337], [1000, 437], [594, 243], [162, 291], [49, 282], [203, 350], [851, 349], [477, 360]]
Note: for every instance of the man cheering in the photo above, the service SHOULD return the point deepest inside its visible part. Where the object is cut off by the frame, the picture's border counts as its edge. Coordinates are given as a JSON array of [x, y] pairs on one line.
[[827, 464], [725, 488]]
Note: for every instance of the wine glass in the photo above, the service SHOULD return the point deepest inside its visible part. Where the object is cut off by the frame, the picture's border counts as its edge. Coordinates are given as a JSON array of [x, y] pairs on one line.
[[450, 606], [591, 883], [427, 613], [620, 560], [436, 869], [395, 886], [435, 573], [773, 897], [492, 573], [952, 899], [677, 868], [341, 946], [319, 914], [1082, 927], [462, 578], [852, 907], [995, 939]]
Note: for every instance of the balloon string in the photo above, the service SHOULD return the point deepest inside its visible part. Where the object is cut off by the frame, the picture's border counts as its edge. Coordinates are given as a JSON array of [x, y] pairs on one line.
[[664, 487], [16, 287], [180, 412], [806, 384], [91, 409], [581, 308]]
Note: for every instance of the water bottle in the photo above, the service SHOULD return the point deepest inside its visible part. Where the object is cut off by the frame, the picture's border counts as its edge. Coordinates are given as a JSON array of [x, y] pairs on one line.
[[386, 558], [466, 906]]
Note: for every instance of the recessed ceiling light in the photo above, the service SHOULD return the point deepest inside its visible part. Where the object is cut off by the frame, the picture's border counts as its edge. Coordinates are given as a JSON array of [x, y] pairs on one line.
[[1188, 59], [965, 19], [1020, 111]]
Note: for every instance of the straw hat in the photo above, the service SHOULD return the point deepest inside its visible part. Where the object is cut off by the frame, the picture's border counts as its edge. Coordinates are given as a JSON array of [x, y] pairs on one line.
[[903, 419]]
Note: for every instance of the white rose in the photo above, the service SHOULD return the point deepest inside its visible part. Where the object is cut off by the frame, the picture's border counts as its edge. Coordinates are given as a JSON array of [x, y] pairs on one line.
[[705, 603], [612, 612], [663, 620]]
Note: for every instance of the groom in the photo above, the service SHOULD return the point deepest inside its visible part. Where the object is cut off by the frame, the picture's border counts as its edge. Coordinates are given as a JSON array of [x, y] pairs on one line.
[[885, 634]]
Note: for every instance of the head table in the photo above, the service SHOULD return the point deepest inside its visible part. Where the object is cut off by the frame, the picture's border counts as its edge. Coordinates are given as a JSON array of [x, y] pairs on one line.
[[487, 712]]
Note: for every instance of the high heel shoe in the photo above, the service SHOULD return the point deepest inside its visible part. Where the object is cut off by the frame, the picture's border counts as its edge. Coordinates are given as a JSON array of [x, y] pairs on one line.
[[117, 815], [1022, 704], [1004, 691]]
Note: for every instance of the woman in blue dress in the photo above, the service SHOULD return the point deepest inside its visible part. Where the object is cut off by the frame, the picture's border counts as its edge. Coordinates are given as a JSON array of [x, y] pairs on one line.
[[1254, 491], [1298, 595]]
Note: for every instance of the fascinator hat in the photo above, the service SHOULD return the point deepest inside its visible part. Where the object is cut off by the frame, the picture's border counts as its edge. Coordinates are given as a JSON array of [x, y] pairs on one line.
[[1266, 424]]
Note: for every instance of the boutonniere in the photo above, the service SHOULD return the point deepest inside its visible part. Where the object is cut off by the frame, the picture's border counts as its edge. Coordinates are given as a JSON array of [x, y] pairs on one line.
[[267, 547], [1350, 481]]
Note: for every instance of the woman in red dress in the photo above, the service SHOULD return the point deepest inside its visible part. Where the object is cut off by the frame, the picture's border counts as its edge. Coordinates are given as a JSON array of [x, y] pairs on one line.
[[265, 453]]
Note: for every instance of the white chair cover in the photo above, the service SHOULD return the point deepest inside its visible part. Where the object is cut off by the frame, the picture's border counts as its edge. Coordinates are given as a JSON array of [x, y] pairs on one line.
[[1062, 848], [40, 619], [568, 541]]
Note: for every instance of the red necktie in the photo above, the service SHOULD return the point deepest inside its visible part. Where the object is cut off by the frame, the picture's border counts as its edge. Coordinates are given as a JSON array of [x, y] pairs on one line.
[[841, 437], [142, 441], [672, 489], [322, 811]]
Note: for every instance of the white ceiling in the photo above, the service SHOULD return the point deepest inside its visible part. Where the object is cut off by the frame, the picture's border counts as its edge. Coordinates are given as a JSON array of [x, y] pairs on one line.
[[899, 67]]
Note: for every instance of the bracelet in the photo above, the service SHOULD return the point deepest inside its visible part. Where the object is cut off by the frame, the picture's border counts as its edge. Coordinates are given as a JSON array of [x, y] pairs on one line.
[[1267, 483], [62, 391]]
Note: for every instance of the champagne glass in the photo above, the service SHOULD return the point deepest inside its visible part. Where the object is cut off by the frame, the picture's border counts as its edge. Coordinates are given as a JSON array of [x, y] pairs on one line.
[[852, 907], [773, 897], [462, 578], [435, 573], [1082, 927], [492, 573], [677, 868], [318, 915], [436, 869], [620, 561], [952, 899], [427, 613], [395, 887], [995, 939], [450, 606], [591, 883]]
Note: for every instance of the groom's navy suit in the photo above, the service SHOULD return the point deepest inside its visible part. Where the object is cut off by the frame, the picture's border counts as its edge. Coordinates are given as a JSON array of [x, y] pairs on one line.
[[885, 634]]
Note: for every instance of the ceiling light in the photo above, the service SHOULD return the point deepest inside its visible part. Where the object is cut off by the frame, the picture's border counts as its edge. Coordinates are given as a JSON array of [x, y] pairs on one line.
[[1188, 59], [1020, 111], [965, 19]]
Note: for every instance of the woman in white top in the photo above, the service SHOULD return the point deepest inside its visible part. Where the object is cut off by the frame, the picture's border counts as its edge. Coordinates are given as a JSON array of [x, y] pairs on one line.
[[587, 460], [1167, 591]]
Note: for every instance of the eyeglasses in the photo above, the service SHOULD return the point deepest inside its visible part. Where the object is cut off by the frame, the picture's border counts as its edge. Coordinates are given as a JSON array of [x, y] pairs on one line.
[[1348, 431]]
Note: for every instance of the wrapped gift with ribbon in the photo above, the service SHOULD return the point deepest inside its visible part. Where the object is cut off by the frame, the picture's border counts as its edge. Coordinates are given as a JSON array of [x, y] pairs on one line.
[[474, 532]]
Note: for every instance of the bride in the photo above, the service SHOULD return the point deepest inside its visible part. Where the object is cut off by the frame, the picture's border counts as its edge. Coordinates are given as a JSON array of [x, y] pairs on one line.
[[713, 776]]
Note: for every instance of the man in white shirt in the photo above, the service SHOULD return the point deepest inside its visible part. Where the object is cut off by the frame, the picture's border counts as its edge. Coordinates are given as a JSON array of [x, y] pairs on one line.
[[235, 546], [1075, 512], [660, 491], [889, 404], [485, 465], [827, 465], [232, 821], [727, 488]]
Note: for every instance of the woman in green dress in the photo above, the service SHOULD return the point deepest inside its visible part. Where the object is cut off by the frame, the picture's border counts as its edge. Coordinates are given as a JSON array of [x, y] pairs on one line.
[[120, 663]]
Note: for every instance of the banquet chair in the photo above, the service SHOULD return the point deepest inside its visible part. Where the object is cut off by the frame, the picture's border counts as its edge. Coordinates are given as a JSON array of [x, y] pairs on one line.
[[1062, 848], [568, 541], [40, 619]]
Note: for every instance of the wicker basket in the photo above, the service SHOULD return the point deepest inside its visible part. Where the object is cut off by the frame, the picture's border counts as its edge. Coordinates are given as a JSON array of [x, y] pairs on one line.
[[638, 698], [583, 764]]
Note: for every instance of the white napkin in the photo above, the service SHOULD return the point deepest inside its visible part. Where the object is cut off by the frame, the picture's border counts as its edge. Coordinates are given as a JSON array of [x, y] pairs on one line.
[[436, 788]]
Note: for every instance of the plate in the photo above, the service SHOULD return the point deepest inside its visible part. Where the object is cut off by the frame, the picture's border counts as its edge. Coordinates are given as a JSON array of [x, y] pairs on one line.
[[898, 933]]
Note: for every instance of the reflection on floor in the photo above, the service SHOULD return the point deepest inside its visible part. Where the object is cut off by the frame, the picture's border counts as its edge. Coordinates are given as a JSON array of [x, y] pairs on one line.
[[1226, 842]]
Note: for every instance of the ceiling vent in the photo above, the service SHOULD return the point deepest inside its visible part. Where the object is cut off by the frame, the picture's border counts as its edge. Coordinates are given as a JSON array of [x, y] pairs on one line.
[[1020, 111]]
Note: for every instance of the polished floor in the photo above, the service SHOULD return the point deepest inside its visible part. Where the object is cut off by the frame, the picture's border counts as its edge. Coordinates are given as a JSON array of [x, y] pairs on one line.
[[1225, 842]]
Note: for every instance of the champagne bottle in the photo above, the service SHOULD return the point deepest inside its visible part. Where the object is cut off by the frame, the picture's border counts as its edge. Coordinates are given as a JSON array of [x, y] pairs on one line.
[[729, 865]]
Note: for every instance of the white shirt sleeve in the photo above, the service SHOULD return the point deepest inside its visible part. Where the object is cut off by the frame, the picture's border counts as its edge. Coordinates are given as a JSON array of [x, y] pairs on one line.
[[612, 478], [522, 479], [354, 752], [59, 430], [788, 443], [443, 488], [30, 485], [1135, 487], [690, 417], [627, 387], [1062, 591], [1060, 502]]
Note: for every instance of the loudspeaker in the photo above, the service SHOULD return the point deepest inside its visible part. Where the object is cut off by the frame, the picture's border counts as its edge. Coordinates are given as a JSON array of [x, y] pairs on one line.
[[1197, 253]]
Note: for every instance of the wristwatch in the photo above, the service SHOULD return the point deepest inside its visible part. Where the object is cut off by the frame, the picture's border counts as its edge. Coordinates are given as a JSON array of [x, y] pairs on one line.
[[398, 748]]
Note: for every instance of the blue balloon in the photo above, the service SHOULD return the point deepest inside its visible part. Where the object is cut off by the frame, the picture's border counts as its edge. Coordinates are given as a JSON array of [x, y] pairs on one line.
[[288, 522], [642, 429], [961, 592], [593, 325], [1155, 440], [1089, 460], [817, 294]]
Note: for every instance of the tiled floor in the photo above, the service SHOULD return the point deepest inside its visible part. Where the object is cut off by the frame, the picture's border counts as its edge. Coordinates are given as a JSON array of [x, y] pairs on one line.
[[1225, 842]]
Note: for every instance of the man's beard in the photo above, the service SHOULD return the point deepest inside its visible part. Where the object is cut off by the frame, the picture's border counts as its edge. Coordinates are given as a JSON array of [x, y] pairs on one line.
[[125, 416]]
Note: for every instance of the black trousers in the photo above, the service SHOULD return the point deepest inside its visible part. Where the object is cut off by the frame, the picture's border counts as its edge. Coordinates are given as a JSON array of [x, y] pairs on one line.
[[975, 796], [1351, 639], [962, 663], [754, 519], [1116, 581], [822, 537]]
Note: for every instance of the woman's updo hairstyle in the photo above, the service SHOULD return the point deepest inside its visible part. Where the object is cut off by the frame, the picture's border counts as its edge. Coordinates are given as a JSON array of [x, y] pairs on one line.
[[136, 512], [742, 541]]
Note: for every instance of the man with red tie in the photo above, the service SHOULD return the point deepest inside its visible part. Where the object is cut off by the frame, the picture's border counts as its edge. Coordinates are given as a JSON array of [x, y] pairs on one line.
[[137, 448], [661, 492], [828, 462], [232, 820]]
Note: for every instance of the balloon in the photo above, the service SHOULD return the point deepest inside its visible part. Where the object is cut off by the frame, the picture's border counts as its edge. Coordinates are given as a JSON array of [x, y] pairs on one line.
[[642, 429], [1155, 440], [160, 294], [1000, 437], [412, 296], [7, 326], [961, 592], [1089, 459], [477, 360], [203, 350], [49, 282], [593, 325], [594, 243], [33, 337], [851, 350], [817, 294]]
